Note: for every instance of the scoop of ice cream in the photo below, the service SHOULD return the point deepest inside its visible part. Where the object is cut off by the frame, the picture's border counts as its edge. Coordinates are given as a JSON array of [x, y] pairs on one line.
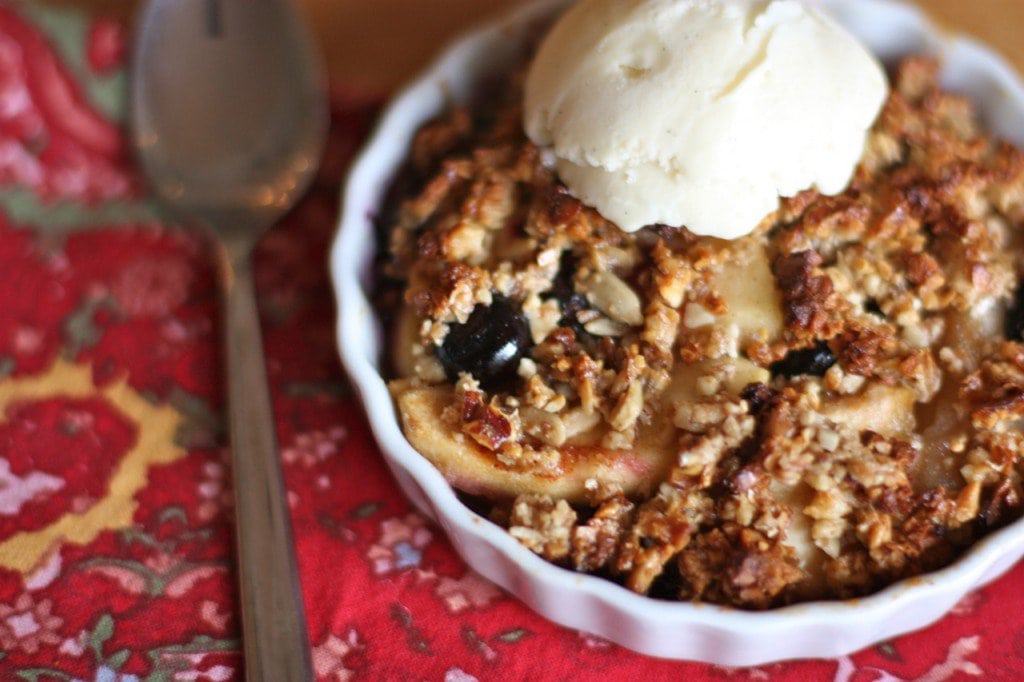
[[700, 112]]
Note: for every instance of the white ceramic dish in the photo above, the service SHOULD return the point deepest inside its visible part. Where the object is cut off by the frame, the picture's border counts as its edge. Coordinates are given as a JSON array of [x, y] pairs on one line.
[[706, 633]]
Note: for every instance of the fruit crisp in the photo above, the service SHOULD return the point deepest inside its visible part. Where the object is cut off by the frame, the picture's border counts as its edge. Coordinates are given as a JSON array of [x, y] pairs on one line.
[[816, 410]]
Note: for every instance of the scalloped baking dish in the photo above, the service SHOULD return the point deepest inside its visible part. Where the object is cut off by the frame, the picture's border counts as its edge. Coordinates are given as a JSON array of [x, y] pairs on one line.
[[700, 632]]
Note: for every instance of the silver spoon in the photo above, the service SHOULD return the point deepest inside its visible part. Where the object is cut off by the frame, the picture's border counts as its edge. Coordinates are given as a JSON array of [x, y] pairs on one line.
[[229, 118]]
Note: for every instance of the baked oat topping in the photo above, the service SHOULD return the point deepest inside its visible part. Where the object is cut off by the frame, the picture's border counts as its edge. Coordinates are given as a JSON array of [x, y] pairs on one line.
[[816, 410]]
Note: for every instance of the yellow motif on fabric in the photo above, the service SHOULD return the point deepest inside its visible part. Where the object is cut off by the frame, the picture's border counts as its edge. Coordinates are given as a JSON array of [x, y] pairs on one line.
[[156, 426]]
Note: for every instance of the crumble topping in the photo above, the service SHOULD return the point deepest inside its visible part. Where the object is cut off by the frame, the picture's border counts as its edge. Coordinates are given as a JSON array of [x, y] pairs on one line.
[[814, 411]]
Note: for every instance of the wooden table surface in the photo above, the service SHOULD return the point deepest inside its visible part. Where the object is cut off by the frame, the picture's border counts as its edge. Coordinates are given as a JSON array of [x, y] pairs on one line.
[[377, 44]]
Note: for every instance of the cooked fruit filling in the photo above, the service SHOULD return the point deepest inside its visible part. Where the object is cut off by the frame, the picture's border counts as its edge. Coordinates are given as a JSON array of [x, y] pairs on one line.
[[815, 410]]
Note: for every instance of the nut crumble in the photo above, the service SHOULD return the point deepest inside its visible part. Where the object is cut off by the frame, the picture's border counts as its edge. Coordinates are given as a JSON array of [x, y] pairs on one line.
[[816, 410]]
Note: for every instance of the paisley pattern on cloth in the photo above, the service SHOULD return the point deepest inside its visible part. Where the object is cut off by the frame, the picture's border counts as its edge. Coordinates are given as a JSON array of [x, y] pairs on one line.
[[115, 500]]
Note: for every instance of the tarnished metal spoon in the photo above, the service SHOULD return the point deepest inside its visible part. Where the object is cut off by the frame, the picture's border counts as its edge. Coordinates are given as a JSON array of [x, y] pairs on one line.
[[229, 117]]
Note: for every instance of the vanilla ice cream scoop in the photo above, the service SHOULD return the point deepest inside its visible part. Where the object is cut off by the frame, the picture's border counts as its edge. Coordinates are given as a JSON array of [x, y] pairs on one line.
[[701, 113]]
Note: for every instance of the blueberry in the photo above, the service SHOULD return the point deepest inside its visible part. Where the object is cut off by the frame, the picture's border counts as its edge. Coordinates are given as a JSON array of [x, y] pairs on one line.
[[489, 345], [564, 291], [814, 361], [1015, 317], [758, 396]]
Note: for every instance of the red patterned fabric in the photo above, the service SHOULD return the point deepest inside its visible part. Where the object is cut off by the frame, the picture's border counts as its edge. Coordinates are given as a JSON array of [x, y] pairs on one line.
[[115, 531]]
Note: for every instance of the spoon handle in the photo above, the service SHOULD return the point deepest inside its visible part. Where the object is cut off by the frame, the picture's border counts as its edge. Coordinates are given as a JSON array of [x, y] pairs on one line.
[[273, 619]]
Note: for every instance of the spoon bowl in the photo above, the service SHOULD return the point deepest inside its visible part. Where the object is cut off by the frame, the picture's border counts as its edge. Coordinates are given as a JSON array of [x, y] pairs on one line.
[[228, 104]]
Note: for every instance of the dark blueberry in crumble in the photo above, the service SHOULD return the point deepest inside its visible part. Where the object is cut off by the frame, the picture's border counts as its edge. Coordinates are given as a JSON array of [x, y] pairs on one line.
[[564, 291], [1015, 316], [489, 345], [814, 361]]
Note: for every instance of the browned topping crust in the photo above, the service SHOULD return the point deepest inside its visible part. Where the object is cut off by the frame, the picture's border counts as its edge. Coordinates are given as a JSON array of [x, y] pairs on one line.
[[817, 410]]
